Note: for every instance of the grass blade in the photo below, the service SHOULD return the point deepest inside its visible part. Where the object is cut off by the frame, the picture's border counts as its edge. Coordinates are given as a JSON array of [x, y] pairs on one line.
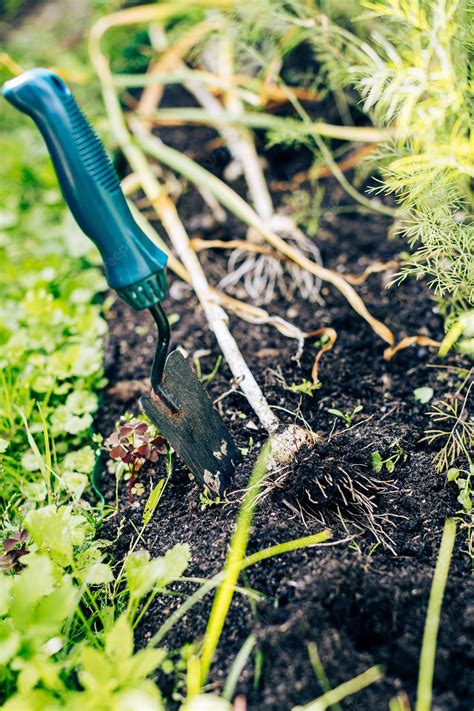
[[238, 666], [430, 634], [233, 566], [286, 547], [320, 672], [201, 592], [347, 688]]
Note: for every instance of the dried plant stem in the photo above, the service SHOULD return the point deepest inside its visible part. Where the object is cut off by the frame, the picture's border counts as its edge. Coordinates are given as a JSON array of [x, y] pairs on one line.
[[242, 140], [233, 202], [217, 318], [171, 59], [348, 187], [245, 311], [350, 161], [215, 314], [184, 165], [272, 93], [199, 245], [142, 14]]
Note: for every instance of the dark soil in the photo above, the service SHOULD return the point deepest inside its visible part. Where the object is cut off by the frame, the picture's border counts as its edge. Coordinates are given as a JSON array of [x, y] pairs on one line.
[[363, 601]]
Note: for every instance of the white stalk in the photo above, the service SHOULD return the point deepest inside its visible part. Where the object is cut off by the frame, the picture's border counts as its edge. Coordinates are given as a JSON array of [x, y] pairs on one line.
[[217, 318], [293, 436]]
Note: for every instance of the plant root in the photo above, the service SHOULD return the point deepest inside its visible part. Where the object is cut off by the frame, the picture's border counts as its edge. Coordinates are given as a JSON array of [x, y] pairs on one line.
[[262, 274], [316, 484]]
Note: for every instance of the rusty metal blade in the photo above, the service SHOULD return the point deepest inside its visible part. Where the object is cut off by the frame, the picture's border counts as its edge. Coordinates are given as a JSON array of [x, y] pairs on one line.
[[195, 429]]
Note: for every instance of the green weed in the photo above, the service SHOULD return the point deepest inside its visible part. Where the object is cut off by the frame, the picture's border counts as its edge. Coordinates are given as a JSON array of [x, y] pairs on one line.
[[346, 417]]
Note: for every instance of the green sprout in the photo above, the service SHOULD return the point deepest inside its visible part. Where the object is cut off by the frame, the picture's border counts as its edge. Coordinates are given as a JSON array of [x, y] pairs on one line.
[[306, 387], [389, 463], [346, 417]]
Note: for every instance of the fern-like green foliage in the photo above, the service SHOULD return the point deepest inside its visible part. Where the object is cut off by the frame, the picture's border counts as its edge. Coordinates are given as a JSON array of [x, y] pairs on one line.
[[406, 65], [416, 77], [413, 73]]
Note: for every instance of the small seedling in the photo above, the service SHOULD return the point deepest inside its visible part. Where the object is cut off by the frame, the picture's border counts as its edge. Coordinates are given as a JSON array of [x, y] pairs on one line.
[[134, 443], [206, 500], [452, 430], [463, 480], [378, 463], [245, 451], [206, 379], [347, 417], [306, 387]]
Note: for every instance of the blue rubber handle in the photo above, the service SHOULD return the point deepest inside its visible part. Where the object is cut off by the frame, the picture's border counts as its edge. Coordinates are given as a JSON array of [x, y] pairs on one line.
[[134, 266]]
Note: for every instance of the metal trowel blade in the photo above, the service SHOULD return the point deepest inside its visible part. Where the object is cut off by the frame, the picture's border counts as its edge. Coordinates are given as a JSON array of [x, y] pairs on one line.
[[195, 429]]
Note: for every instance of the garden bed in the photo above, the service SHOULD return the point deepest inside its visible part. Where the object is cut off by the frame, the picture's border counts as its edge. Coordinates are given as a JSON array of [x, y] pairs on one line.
[[355, 602], [363, 601]]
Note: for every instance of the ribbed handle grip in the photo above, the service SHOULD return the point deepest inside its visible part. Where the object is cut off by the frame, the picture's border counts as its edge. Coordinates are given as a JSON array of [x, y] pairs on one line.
[[133, 264], [95, 159]]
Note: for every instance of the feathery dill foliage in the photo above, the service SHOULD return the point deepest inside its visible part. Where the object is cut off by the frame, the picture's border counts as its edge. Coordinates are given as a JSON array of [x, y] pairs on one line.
[[416, 77], [405, 64]]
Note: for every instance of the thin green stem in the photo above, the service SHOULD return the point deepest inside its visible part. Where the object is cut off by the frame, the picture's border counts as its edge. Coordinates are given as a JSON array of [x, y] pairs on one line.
[[370, 676], [348, 187], [182, 76], [359, 134], [286, 547], [334, 168], [233, 202], [233, 565], [213, 582], [320, 672], [453, 335], [238, 666], [430, 634]]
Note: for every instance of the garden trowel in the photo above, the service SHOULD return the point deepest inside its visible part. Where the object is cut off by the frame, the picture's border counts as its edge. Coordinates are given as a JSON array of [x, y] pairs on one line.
[[134, 267]]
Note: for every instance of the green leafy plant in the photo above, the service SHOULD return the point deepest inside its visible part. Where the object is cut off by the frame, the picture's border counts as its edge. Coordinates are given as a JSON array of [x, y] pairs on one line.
[[346, 417], [306, 387], [406, 68], [389, 463], [47, 597], [463, 478], [452, 430], [51, 338]]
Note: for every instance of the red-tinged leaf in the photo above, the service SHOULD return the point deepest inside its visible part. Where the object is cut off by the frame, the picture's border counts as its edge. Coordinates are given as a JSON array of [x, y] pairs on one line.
[[160, 444], [118, 452], [9, 544], [140, 428], [16, 554], [144, 450]]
